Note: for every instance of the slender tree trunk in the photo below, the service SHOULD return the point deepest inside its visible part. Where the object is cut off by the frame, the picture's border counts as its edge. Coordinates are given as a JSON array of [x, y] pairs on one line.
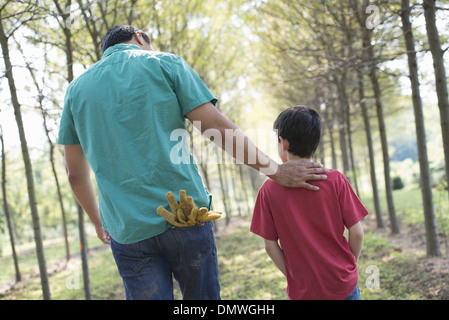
[[385, 155], [433, 244], [440, 76], [341, 127], [52, 152], [368, 57], [83, 249], [6, 210], [351, 153], [244, 189], [28, 167], [369, 142], [65, 18], [224, 193], [237, 195], [331, 135]]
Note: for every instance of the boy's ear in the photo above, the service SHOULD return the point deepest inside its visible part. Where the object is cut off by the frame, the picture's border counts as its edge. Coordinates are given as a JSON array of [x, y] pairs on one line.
[[285, 144]]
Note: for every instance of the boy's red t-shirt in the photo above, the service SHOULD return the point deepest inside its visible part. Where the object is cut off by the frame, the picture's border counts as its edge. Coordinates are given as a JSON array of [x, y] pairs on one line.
[[310, 226]]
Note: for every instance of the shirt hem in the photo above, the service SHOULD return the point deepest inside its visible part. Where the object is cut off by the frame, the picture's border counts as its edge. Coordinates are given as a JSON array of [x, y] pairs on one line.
[[197, 103]]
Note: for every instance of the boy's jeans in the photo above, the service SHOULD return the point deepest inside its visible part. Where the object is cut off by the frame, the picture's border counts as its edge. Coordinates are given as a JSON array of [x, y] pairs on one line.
[[355, 295], [189, 253]]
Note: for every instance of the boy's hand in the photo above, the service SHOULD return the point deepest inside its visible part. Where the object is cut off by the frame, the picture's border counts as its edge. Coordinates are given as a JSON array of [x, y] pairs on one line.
[[296, 173]]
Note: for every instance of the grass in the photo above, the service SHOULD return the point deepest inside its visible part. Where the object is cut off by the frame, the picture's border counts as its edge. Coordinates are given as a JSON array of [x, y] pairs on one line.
[[387, 269], [246, 271], [408, 205], [67, 283]]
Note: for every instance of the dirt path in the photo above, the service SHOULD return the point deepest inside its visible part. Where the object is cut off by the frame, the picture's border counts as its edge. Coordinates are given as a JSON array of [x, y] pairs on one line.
[[427, 275]]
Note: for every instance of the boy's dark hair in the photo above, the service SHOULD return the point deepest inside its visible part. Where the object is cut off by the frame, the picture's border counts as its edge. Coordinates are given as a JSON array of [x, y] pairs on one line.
[[121, 34], [301, 126]]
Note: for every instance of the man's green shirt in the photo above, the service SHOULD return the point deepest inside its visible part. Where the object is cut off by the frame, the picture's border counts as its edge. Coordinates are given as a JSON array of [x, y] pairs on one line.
[[123, 111]]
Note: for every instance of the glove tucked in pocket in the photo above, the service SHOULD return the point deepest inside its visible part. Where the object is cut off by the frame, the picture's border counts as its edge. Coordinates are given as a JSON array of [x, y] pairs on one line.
[[185, 213]]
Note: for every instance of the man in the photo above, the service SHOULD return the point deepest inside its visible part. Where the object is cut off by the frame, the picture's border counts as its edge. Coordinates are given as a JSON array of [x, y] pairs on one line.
[[117, 120]]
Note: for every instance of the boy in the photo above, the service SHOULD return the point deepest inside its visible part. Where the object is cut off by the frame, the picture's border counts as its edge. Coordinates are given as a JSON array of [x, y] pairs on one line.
[[313, 254]]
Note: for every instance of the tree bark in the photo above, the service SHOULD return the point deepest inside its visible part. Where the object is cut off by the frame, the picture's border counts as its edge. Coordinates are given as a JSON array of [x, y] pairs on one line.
[[28, 167], [40, 99], [368, 57], [369, 142], [6, 210], [440, 76], [433, 244], [83, 249], [384, 143], [70, 76]]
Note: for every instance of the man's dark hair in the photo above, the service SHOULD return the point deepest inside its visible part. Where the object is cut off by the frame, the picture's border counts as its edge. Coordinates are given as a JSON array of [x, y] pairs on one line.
[[121, 34], [301, 126]]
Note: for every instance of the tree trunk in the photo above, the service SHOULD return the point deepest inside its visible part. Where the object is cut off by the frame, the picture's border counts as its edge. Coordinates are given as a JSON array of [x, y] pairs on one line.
[[28, 167], [237, 196], [6, 210], [368, 58], [70, 76], [369, 142], [224, 194], [328, 120], [385, 155], [440, 76], [433, 244], [83, 249], [244, 189], [40, 99], [341, 127]]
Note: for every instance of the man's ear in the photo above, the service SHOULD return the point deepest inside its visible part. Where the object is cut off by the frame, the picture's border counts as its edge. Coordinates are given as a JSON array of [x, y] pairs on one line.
[[138, 37], [285, 144]]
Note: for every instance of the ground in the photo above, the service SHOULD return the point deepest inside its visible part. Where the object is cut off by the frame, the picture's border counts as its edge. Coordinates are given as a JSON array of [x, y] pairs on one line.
[[410, 273], [246, 272]]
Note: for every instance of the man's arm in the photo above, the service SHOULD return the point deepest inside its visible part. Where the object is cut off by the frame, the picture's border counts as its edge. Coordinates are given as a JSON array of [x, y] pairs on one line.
[[78, 171], [294, 173], [355, 239], [276, 254]]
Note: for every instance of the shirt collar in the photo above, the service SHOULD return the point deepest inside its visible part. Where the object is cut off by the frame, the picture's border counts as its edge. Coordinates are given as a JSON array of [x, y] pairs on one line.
[[120, 47]]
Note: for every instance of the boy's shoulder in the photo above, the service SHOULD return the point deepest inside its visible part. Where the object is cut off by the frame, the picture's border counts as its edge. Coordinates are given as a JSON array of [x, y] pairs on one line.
[[333, 176]]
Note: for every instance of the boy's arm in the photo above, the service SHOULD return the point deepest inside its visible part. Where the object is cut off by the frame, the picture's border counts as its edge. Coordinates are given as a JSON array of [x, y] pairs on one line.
[[356, 239], [276, 254]]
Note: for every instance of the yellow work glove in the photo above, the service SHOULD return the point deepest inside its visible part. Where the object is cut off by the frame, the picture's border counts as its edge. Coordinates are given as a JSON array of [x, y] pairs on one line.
[[185, 213]]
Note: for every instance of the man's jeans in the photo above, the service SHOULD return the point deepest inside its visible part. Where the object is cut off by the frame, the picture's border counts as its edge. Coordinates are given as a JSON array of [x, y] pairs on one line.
[[189, 253]]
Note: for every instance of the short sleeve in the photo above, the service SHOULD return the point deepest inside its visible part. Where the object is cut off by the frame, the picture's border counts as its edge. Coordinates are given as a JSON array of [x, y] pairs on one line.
[[262, 222], [67, 131], [352, 208], [190, 90]]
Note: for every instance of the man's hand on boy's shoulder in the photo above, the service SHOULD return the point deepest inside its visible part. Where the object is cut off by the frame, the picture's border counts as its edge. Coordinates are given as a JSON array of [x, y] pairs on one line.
[[296, 173]]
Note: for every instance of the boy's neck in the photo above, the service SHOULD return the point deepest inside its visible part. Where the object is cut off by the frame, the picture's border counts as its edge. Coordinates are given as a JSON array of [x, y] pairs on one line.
[[291, 156]]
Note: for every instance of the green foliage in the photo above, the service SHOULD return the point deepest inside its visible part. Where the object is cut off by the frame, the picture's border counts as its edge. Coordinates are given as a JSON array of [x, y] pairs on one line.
[[258, 57], [397, 183], [246, 271]]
